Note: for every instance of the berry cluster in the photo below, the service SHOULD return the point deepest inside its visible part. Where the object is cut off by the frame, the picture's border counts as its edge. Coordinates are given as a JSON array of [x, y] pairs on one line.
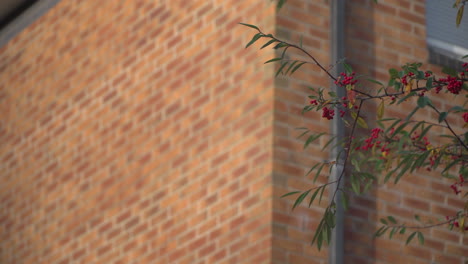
[[454, 85], [328, 113], [465, 117], [458, 183], [345, 79], [404, 79], [370, 141]]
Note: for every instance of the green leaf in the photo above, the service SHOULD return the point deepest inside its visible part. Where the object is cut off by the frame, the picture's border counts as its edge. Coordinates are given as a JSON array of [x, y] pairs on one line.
[[422, 101], [417, 217], [301, 198], [394, 230], [393, 73], [391, 219], [290, 67], [289, 193], [268, 43], [402, 172], [280, 45], [442, 116], [348, 69], [420, 161], [281, 68], [321, 195], [311, 169], [380, 231], [345, 201], [429, 83], [355, 185], [318, 172], [403, 230], [273, 60], [456, 108], [314, 195], [383, 221], [328, 142], [312, 138], [410, 237], [254, 38], [249, 25], [421, 238], [466, 56], [280, 4], [297, 67]]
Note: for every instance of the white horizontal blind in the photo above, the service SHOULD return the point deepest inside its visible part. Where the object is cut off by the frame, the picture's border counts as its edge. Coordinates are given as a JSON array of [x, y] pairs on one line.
[[442, 31]]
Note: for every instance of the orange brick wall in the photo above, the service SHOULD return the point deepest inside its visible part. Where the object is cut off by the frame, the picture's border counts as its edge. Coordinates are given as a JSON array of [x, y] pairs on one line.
[[144, 132], [293, 230], [137, 132]]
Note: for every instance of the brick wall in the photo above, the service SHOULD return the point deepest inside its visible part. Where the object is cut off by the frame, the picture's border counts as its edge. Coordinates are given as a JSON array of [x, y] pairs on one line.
[[136, 132], [379, 37], [144, 132], [293, 230]]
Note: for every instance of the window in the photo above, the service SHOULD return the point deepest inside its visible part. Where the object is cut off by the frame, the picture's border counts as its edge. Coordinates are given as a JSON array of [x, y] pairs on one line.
[[447, 43]]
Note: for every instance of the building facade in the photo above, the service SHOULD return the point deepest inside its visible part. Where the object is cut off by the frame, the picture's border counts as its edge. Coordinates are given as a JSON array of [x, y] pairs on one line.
[[144, 132]]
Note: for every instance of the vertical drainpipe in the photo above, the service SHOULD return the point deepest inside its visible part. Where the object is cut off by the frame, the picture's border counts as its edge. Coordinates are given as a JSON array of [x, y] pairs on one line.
[[336, 249]]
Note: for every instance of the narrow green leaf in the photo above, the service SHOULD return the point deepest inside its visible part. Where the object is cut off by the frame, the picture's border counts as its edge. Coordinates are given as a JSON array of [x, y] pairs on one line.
[[466, 56], [313, 168], [281, 68], [417, 217], [273, 60], [383, 221], [297, 67], [301, 198], [254, 38], [391, 219], [345, 201], [394, 230], [303, 133], [318, 172], [314, 195], [355, 184], [289, 193], [348, 69], [268, 43], [328, 142], [291, 65], [410, 237], [402, 172], [321, 195], [249, 25], [312, 138], [380, 231], [421, 238], [420, 160]]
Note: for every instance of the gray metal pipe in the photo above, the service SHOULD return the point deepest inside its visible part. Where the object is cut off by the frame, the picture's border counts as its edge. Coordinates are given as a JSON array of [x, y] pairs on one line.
[[336, 249]]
